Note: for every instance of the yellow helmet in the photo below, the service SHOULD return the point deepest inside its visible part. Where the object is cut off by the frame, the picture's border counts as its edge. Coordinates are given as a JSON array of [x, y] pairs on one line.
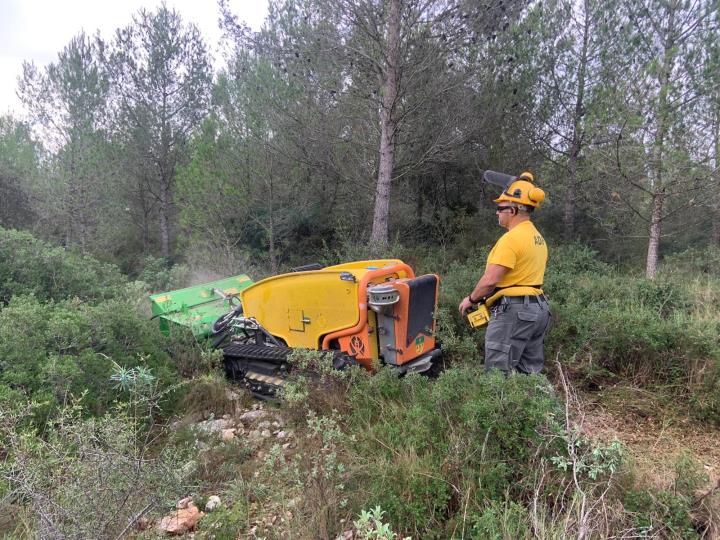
[[522, 190]]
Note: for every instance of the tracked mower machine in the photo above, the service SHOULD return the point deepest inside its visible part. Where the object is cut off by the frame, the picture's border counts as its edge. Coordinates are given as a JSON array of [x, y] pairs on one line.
[[364, 312]]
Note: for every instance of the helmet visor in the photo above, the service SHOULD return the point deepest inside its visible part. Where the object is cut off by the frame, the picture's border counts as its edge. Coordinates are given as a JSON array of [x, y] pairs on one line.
[[499, 179]]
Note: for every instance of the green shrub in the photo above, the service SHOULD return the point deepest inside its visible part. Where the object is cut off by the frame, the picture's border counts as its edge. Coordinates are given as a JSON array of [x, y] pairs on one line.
[[161, 275], [60, 350], [208, 392], [417, 440], [574, 259], [224, 522], [506, 520], [370, 526], [693, 261], [31, 266], [88, 477], [610, 326], [706, 398], [661, 513]]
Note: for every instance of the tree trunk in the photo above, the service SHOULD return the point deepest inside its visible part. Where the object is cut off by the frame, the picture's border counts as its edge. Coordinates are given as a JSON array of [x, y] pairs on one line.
[[146, 211], [420, 203], [577, 135], [165, 220], [571, 193], [657, 198], [389, 90], [716, 180], [271, 229], [655, 230]]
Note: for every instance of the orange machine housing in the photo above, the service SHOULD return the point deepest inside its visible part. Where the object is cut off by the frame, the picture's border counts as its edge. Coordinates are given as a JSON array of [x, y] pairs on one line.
[[400, 332], [339, 307]]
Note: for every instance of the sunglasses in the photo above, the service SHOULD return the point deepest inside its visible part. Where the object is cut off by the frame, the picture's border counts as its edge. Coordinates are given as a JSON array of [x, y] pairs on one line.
[[500, 209]]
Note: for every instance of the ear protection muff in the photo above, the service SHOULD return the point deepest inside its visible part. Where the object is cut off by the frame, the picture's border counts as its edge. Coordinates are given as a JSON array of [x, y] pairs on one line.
[[536, 195], [526, 175]]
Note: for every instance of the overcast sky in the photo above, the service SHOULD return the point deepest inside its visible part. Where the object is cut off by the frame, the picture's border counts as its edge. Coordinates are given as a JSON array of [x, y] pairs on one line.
[[38, 29]]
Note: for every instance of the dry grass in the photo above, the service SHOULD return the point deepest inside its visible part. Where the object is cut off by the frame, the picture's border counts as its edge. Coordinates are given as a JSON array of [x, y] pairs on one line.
[[655, 439]]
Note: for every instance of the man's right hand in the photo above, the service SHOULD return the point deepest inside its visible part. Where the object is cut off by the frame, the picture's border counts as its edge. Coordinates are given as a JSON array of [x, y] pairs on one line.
[[464, 305]]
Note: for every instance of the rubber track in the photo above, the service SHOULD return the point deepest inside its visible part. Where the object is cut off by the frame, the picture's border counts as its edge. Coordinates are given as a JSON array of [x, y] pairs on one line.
[[257, 365], [257, 352]]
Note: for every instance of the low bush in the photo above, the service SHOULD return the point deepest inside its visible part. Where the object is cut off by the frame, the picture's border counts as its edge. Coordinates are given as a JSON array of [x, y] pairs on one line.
[[425, 447], [610, 326], [160, 275], [660, 514], [501, 521], [88, 477], [693, 262], [56, 352], [31, 266]]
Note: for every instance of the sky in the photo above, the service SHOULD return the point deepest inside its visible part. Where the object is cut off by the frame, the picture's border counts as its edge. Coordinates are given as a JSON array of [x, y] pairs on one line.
[[36, 30]]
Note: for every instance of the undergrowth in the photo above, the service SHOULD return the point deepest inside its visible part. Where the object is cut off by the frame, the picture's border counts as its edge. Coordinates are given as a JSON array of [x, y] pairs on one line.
[[466, 455]]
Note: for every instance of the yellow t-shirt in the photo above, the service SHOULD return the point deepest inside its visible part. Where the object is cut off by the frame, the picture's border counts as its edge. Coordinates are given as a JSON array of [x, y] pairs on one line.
[[524, 252]]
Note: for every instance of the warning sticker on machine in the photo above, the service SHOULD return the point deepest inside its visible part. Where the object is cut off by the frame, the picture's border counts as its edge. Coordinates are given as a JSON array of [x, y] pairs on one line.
[[357, 346], [419, 344]]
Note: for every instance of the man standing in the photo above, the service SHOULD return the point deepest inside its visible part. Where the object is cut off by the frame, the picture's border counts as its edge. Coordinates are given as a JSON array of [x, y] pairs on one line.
[[512, 283]]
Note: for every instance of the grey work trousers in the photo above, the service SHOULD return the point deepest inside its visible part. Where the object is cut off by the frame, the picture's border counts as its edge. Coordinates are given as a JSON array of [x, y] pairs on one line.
[[515, 336]]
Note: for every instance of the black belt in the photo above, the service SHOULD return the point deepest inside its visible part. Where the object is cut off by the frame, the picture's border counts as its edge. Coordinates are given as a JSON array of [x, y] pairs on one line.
[[536, 299]]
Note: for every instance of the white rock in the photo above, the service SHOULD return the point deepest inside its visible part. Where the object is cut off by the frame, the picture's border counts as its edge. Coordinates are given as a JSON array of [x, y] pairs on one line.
[[264, 425], [281, 435], [251, 416], [184, 503], [227, 435], [214, 426], [254, 435], [266, 433], [226, 417], [276, 424], [212, 503]]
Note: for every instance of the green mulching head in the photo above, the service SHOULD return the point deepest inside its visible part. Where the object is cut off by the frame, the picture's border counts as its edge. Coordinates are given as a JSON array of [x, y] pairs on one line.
[[200, 306]]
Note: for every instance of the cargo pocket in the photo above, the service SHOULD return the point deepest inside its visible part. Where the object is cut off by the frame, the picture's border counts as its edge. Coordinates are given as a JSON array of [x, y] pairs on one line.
[[525, 325], [497, 356]]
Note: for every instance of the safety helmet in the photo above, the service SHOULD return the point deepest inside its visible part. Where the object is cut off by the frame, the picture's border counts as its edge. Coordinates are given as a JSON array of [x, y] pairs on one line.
[[518, 189]]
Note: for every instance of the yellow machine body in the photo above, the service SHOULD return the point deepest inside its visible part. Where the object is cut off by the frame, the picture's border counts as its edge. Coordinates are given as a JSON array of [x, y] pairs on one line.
[[328, 309]]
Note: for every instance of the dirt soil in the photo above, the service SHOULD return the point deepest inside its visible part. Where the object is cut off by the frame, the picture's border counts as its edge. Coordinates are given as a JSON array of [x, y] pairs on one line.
[[653, 440]]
